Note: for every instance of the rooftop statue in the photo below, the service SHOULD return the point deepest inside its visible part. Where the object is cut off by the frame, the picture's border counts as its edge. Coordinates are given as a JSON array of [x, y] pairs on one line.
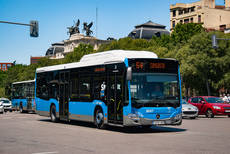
[[86, 28], [74, 29]]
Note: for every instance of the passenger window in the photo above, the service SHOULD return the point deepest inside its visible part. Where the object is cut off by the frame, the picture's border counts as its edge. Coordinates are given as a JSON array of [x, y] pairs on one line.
[[74, 86], [84, 85], [42, 88], [195, 100], [200, 99], [99, 88]]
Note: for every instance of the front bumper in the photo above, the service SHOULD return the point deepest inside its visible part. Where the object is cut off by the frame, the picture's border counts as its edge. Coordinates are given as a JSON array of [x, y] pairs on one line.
[[222, 112], [8, 108], [145, 121], [1, 109], [189, 114]]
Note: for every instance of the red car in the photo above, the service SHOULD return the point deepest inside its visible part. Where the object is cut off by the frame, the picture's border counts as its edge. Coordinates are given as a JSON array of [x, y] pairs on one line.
[[210, 106]]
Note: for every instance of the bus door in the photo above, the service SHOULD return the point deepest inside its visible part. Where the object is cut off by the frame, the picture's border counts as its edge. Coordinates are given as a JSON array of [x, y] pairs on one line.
[[64, 95], [29, 96], [115, 105]]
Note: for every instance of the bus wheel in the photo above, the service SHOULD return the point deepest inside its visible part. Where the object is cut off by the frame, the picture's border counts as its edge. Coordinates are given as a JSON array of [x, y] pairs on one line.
[[53, 113], [209, 114], [99, 119], [229, 116]]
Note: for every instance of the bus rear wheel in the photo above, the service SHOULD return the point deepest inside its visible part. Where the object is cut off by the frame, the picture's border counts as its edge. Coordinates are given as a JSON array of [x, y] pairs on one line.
[[99, 119], [53, 116]]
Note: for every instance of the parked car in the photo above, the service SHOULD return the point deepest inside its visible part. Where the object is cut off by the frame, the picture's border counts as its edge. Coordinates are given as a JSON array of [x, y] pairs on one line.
[[7, 105], [1, 108], [188, 110], [210, 106]]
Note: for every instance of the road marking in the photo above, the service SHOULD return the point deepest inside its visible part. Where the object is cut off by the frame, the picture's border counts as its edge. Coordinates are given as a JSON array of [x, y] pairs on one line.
[[46, 152]]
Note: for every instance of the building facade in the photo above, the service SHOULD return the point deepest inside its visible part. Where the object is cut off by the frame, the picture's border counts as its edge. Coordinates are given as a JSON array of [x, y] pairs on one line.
[[34, 60], [211, 16], [148, 30], [76, 39], [56, 51], [5, 66], [59, 50]]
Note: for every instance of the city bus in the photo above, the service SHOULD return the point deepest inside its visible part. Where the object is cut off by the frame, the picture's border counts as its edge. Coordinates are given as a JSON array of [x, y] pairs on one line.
[[22, 96], [112, 88]]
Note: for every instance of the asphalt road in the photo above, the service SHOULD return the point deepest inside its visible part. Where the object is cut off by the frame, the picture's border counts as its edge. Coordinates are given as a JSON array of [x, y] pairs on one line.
[[33, 134]]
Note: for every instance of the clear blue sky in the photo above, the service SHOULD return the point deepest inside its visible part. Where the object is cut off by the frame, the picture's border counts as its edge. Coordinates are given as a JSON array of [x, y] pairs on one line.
[[116, 18]]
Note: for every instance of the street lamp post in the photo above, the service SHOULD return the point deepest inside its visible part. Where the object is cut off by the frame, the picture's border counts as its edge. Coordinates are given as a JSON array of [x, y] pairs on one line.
[[214, 41], [33, 26]]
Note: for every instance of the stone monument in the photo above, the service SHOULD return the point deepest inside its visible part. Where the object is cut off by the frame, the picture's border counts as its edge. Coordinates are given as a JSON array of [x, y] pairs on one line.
[[76, 38]]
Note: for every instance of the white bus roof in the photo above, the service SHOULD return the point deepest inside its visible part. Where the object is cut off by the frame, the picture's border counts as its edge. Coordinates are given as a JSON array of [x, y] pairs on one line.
[[101, 58], [24, 81]]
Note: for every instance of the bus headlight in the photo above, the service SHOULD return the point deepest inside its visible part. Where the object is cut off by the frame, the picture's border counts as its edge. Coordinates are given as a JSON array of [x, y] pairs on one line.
[[133, 116], [178, 117]]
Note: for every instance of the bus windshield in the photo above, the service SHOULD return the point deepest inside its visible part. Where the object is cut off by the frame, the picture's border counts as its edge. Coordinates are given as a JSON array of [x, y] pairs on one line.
[[154, 89]]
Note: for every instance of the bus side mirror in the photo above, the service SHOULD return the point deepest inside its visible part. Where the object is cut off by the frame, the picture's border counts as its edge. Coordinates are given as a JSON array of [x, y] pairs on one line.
[[129, 74]]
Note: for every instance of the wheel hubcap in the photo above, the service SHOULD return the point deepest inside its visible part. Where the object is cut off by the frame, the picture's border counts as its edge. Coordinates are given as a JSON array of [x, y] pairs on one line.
[[99, 118], [209, 113], [53, 115]]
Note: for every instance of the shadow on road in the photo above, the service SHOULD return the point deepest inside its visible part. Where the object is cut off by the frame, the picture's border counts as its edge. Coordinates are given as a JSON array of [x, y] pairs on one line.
[[215, 117], [143, 130], [128, 130]]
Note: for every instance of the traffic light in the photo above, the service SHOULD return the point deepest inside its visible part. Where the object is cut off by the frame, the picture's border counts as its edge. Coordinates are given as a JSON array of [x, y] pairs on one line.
[[214, 41], [34, 28]]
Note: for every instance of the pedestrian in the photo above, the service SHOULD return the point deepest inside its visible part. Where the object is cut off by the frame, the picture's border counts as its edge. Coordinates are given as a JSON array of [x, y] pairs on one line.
[[228, 95], [225, 99], [221, 96]]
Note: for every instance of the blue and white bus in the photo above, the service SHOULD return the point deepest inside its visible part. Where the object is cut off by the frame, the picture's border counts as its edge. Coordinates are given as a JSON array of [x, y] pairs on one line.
[[118, 87], [23, 96]]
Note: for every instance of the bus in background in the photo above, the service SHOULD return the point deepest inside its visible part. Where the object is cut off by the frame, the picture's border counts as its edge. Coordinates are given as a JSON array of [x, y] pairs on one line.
[[22, 96], [118, 87]]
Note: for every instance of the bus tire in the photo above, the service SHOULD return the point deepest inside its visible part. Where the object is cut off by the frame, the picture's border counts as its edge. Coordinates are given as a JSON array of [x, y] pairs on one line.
[[99, 118], [53, 115]]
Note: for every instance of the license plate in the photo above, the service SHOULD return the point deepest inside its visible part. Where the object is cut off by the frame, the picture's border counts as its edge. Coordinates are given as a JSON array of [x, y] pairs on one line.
[[158, 122], [227, 111]]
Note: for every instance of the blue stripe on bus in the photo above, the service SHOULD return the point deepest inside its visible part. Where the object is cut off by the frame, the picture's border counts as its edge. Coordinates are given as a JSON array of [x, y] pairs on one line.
[[86, 108], [180, 109], [82, 108], [126, 62], [127, 109], [44, 105], [17, 102]]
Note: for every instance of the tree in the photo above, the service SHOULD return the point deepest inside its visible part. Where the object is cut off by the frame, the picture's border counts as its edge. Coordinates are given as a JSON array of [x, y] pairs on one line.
[[2, 79], [183, 32], [203, 67], [78, 53]]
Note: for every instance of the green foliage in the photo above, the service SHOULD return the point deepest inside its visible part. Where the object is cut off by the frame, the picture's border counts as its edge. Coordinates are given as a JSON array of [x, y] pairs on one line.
[[78, 53], [2, 80], [202, 65], [183, 32]]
